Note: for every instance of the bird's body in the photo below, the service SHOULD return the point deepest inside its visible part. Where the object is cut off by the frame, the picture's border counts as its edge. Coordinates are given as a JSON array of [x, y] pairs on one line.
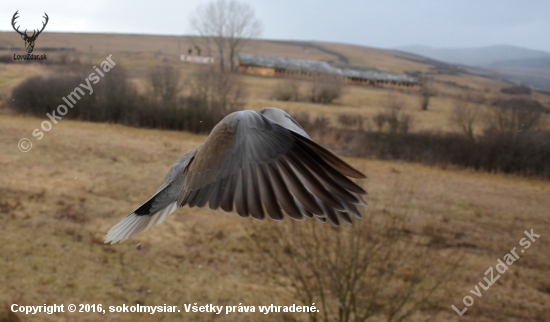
[[253, 161]]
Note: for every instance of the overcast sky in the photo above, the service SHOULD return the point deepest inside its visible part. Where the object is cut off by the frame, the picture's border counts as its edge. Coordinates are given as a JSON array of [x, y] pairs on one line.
[[382, 23]]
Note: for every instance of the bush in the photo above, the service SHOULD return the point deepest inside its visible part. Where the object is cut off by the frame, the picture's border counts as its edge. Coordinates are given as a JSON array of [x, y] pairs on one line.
[[525, 154], [393, 119], [115, 99], [165, 82], [515, 115], [218, 92], [373, 270], [325, 89], [516, 90], [39, 95], [351, 121], [426, 93], [465, 116], [287, 90]]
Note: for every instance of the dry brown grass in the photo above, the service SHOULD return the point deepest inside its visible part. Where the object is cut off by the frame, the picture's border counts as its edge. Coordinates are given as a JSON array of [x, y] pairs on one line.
[[58, 200], [12, 75]]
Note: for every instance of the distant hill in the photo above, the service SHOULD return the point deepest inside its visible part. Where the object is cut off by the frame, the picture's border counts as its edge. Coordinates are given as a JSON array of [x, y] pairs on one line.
[[480, 57], [512, 63], [539, 62]]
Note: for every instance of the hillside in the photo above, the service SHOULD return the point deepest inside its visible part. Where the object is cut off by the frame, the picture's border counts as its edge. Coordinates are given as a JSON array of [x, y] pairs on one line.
[[137, 53], [481, 57], [515, 64], [58, 200]]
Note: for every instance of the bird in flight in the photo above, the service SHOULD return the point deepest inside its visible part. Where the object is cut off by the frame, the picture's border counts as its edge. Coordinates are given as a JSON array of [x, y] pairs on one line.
[[254, 163]]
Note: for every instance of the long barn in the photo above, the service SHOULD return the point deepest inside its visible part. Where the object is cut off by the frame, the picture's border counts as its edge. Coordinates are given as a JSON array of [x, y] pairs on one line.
[[281, 66]]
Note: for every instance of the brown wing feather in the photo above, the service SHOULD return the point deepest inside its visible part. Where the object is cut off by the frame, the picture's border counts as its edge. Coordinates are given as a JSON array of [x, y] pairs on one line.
[[253, 196], [267, 195]]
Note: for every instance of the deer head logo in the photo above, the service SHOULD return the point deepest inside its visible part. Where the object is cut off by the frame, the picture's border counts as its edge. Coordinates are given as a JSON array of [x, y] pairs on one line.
[[29, 40]]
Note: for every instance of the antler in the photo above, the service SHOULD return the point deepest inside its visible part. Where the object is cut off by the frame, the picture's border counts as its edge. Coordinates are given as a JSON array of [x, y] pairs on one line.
[[43, 24], [15, 16], [34, 34]]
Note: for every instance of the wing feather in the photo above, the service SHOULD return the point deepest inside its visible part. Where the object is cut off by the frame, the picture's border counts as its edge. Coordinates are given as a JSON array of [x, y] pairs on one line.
[[253, 194], [217, 193], [283, 195], [302, 209], [226, 202], [311, 182], [297, 189], [330, 214], [240, 194], [333, 173], [267, 195]]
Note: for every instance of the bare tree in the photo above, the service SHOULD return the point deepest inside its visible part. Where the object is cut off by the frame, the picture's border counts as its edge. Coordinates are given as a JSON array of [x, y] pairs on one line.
[[351, 121], [426, 93], [217, 92], [228, 25], [393, 118], [325, 88], [165, 83], [287, 90], [516, 115], [374, 268], [465, 115]]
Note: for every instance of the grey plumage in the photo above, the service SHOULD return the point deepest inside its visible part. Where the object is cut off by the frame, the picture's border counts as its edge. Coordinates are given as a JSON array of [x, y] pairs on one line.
[[258, 164]]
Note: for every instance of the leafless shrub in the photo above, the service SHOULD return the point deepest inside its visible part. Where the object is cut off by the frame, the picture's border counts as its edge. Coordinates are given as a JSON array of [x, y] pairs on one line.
[[465, 115], [325, 89], [287, 90], [351, 122], [374, 268], [516, 90], [115, 99], [426, 93], [393, 119], [515, 115], [165, 82], [218, 92], [312, 126], [321, 122], [492, 151]]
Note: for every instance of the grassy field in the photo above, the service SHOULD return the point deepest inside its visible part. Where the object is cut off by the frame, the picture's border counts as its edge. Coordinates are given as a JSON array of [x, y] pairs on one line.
[[59, 200]]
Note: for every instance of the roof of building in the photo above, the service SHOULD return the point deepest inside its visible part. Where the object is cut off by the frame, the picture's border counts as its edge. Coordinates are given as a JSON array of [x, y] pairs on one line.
[[321, 67]]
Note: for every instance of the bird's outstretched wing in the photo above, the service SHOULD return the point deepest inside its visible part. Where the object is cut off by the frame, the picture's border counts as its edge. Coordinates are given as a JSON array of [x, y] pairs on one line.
[[253, 163], [157, 208]]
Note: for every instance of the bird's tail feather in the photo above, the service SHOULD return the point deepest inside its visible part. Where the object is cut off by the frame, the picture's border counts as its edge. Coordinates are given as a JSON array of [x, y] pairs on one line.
[[142, 219]]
